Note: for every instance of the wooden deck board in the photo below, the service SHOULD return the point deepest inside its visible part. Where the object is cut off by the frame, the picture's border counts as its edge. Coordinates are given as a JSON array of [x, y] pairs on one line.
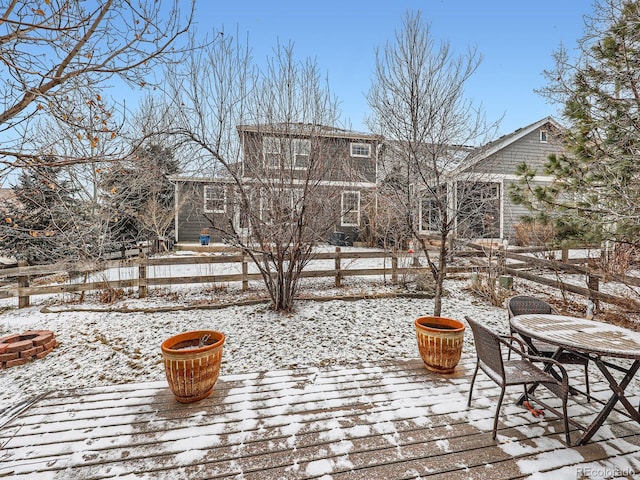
[[392, 420]]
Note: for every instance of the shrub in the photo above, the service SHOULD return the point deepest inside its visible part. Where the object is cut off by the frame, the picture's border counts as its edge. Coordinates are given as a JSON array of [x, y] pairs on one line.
[[534, 233]]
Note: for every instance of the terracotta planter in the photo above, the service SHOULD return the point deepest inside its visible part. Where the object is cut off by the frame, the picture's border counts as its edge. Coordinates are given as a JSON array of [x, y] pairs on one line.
[[192, 363], [440, 342]]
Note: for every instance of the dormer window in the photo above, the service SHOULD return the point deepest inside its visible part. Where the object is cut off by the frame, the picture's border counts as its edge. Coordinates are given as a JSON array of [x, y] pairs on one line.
[[360, 150], [543, 136]]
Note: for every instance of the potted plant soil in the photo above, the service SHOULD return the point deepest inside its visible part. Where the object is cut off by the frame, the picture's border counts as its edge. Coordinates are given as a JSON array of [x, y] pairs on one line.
[[440, 342], [192, 363]]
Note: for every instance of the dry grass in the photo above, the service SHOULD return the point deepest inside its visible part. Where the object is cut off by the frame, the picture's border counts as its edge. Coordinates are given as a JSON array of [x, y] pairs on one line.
[[534, 234]]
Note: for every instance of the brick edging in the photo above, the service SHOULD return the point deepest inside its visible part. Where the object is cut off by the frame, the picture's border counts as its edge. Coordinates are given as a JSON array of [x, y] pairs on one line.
[[20, 348]]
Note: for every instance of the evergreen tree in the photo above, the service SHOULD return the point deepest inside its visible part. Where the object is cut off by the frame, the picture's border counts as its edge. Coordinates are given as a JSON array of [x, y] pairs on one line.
[[45, 222], [595, 194], [139, 198]]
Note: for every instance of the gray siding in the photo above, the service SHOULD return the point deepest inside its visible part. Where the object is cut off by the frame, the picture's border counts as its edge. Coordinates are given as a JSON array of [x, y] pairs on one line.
[[191, 218], [502, 165], [528, 149]]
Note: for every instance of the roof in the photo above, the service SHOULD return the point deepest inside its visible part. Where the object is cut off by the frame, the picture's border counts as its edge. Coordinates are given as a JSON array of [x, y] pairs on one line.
[[7, 194], [308, 129], [491, 148]]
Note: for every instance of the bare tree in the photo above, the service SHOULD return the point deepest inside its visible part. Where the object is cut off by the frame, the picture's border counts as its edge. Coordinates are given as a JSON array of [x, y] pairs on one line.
[[279, 174], [418, 104], [58, 57]]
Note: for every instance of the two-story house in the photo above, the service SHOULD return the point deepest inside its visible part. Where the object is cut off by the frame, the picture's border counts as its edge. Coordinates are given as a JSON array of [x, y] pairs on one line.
[[338, 166], [344, 163]]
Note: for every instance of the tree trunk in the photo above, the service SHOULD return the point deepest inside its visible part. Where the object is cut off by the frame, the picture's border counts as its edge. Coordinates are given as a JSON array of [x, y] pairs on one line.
[[441, 272]]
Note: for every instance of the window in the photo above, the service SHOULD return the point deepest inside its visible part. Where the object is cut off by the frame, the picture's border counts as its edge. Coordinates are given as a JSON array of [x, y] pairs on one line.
[[478, 209], [280, 205], [271, 152], [266, 207], [350, 209], [543, 136], [360, 150], [301, 150], [215, 199], [291, 204], [429, 215], [296, 152]]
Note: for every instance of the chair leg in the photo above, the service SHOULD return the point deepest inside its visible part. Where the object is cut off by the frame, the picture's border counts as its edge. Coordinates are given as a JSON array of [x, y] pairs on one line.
[[495, 420], [473, 380], [511, 332], [586, 380], [565, 418]]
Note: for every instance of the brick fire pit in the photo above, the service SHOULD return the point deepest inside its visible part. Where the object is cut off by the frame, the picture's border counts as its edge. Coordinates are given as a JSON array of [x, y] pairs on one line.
[[19, 349]]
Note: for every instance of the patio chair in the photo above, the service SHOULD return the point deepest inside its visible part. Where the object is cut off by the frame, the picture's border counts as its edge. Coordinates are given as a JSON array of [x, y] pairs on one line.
[[523, 371], [524, 304]]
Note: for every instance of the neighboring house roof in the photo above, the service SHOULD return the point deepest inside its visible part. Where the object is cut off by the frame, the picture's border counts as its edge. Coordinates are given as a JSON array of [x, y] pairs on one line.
[[8, 197], [7, 194], [449, 156], [186, 178], [307, 129], [491, 148]]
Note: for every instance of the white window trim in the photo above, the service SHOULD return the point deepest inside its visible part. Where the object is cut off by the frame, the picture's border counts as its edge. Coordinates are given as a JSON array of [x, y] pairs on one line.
[[423, 227], [543, 136], [208, 188], [267, 148], [342, 212], [275, 145], [266, 206], [353, 145], [295, 144]]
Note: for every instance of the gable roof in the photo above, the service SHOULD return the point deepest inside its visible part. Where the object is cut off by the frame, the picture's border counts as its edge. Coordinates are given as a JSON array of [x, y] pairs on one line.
[[481, 153], [305, 129]]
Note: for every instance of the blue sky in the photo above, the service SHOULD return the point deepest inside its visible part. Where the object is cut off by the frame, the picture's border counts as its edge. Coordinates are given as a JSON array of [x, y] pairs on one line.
[[516, 39]]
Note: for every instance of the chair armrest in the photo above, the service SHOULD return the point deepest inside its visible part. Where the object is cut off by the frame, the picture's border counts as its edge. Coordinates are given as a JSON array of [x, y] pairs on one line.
[[510, 339], [506, 340]]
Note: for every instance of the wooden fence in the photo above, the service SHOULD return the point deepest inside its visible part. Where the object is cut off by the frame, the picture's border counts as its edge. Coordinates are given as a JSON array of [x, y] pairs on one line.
[[25, 287], [37, 280]]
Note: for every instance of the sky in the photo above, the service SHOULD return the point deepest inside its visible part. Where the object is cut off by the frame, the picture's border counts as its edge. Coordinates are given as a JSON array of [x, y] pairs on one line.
[[516, 40]]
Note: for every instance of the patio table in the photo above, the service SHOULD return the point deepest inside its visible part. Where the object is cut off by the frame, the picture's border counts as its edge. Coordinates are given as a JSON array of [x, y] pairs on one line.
[[596, 340]]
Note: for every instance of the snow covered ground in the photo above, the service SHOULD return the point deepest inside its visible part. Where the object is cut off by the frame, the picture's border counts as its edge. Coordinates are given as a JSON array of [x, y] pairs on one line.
[[103, 345], [99, 346]]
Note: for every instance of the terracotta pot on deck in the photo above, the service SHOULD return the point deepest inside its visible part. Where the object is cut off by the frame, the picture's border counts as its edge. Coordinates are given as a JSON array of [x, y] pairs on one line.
[[192, 363], [440, 342]]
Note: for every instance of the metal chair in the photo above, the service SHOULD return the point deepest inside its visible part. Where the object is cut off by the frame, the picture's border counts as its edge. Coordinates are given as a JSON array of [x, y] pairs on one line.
[[507, 373], [524, 304]]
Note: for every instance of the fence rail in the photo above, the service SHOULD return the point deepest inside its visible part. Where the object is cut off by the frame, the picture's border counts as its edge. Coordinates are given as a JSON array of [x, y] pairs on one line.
[[27, 280], [24, 287]]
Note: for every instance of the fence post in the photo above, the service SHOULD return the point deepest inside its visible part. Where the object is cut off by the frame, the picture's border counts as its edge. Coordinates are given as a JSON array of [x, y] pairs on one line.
[[593, 283], [338, 276], [142, 276], [394, 265], [23, 282], [245, 273], [565, 254]]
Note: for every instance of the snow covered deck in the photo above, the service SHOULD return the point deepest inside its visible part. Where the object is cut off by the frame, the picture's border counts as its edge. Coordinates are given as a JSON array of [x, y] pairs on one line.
[[373, 421]]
